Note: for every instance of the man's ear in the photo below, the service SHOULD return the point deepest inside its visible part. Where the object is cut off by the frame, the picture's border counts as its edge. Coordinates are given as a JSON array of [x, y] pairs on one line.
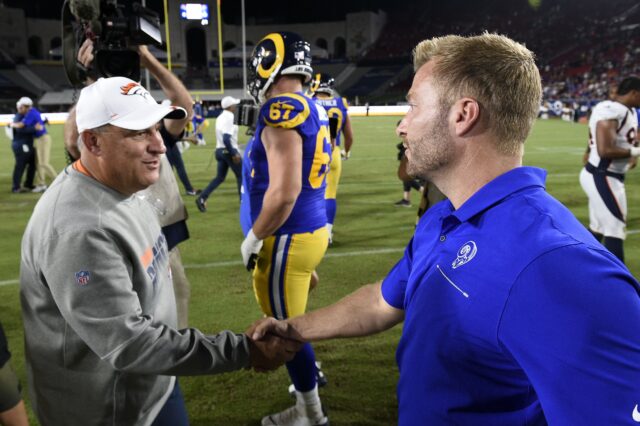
[[91, 142], [466, 112]]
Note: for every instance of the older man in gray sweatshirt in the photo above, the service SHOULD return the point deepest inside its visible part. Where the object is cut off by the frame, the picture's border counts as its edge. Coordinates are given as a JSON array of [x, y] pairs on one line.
[[97, 299]]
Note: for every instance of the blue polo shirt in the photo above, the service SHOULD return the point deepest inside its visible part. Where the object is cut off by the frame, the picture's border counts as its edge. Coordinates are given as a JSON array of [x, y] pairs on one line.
[[32, 118], [514, 315]]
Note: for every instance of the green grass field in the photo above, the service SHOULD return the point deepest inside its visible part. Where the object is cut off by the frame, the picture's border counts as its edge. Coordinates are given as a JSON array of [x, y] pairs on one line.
[[370, 233]]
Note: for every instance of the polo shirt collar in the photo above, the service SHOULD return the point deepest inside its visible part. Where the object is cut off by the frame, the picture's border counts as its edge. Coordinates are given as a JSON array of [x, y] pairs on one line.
[[500, 188]]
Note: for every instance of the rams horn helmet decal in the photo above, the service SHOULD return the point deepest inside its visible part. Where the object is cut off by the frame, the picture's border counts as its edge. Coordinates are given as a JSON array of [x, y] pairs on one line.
[[282, 53], [322, 83]]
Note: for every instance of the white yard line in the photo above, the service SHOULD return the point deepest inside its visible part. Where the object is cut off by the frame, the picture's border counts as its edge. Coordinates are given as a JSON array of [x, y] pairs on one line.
[[328, 255], [214, 265], [9, 282]]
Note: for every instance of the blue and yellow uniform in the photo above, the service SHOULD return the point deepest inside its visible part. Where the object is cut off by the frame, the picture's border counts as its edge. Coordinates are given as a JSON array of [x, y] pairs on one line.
[[197, 120], [336, 107], [287, 259], [297, 112]]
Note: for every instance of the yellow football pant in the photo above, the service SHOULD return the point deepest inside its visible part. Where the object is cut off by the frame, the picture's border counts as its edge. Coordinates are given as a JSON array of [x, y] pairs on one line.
[[283, 271], [333, 177]]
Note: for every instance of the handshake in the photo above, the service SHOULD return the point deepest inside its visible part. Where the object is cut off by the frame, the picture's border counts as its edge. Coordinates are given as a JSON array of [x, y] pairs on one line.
[[272, 343]]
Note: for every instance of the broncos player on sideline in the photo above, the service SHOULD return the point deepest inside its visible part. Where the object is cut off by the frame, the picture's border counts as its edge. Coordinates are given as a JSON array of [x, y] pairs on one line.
[[289, 160], [323, 92], [613, 129]]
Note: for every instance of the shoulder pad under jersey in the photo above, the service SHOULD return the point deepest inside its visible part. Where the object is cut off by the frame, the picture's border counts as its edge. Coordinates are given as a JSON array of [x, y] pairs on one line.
[[286, 111]]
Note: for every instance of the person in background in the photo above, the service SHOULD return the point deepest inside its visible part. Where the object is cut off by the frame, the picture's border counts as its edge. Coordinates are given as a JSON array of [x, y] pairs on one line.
[[227, 154], [429, 193], [289, 159], [408, 182], [43, 150], [613, 129], [22, 146], [323, 92], [12, 411], [198, 121], [175, 159]]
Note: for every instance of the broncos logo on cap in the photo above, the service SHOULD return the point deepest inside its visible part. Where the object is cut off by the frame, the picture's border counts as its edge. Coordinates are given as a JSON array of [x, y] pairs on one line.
[[134, 88]]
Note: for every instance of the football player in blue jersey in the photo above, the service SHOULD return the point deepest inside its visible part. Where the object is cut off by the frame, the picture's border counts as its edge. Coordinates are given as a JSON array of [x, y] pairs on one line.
[[337, 107], [288, 161], [198, 121]]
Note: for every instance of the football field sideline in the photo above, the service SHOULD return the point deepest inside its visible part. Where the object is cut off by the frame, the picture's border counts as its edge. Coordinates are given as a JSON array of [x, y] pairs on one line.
[[214, 265]]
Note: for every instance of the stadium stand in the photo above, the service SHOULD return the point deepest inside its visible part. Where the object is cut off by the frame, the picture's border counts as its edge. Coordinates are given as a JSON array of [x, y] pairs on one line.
[[580, 54]]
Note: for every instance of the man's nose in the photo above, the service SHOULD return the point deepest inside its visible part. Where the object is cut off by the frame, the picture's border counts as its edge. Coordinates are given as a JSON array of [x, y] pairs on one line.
[[400, 130], [157, 144]]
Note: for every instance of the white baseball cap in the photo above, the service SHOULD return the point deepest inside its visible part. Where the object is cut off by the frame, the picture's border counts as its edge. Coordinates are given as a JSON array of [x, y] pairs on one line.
[[123, 103], [228, 101], [24, 101]]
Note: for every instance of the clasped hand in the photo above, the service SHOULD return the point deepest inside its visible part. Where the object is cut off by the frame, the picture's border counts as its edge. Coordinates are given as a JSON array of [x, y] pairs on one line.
[[272, 343]]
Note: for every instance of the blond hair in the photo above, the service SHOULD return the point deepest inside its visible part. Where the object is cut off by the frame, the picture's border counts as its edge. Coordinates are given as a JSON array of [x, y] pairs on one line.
[[498, 72]]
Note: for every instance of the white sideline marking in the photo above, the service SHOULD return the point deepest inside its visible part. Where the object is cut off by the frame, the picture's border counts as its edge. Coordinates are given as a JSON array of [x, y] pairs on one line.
[[9, 282], [239, 262], [328, 255]]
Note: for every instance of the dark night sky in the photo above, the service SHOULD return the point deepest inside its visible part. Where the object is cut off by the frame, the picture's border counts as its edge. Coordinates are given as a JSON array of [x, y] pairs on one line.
[[260, 10], [300, 11]]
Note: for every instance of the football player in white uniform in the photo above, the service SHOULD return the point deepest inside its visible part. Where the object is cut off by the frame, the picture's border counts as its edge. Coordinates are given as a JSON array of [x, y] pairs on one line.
[[613, 128]]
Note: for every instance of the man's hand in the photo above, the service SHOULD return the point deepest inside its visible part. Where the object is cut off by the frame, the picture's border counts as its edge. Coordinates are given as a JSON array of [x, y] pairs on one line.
[[145, 54], [85, 57], [271, 326], [345, 154], [250, 248], [237, 159], [271, 352], [85, 53]]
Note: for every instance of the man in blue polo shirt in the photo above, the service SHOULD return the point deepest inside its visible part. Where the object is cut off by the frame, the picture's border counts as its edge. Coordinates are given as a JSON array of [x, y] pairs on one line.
[[513, 313]]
